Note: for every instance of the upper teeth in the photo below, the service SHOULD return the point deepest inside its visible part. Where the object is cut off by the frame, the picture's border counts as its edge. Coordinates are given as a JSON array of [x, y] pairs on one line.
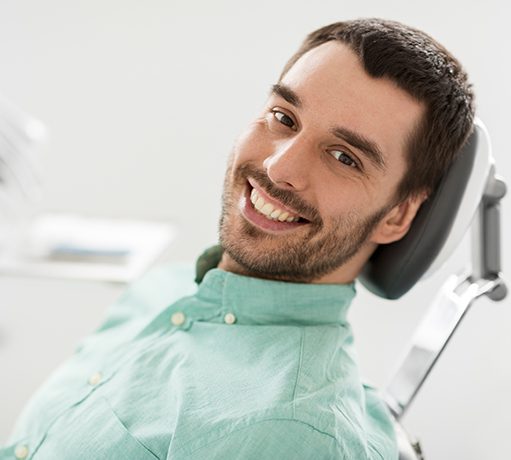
[[270, 211]]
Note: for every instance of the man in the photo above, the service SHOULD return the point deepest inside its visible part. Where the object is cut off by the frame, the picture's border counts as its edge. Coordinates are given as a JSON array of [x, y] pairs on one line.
[[258, 363]]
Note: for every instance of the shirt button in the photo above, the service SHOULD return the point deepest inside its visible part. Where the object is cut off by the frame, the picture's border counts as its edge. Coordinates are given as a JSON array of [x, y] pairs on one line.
[[178, 318], [95, 378], [21, 452], [229, 318]]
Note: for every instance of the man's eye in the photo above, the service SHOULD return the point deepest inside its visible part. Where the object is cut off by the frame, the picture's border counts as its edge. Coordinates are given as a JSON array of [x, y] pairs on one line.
[[284, 119], [344, 158]]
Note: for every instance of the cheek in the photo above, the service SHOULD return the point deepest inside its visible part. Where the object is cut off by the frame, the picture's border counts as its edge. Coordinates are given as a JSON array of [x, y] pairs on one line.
[[387, 188], [252, 144], [339, 196]]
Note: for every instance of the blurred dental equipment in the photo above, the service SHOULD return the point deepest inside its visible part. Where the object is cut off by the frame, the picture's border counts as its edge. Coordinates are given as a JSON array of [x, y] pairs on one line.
[[20, 174], [61, 245]]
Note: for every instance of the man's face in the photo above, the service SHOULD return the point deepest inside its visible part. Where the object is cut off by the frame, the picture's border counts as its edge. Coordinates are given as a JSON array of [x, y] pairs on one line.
[[314, 176]]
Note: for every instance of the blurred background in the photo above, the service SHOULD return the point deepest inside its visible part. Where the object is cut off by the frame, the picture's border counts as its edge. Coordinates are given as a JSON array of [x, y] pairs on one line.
[[142, 102]]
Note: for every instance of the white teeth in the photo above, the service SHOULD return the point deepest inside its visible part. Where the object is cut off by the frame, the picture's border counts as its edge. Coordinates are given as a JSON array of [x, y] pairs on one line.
[[269, 210], [283, 216], [259, 204]]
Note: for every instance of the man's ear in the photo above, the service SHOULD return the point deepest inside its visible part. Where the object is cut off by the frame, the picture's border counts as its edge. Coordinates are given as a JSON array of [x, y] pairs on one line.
[[396, 223]]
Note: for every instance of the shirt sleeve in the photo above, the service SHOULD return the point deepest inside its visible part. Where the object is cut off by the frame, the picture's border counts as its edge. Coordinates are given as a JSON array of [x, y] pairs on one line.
[[270, 440]]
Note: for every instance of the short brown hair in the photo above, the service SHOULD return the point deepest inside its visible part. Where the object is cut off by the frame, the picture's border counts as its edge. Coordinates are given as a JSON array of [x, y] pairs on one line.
[[428, 72]]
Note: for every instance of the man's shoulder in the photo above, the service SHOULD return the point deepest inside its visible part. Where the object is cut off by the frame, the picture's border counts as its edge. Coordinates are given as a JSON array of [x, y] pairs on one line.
[[163, 283], [156, 289], [144, 298]]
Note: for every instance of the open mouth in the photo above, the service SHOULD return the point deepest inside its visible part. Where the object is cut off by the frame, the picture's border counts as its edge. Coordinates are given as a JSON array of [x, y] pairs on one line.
[[268, 213], [272, 211]]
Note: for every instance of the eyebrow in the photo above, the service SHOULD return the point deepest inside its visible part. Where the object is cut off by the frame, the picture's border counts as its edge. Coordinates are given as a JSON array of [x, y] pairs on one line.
[[286, 93], [368, 147], [362, 143]]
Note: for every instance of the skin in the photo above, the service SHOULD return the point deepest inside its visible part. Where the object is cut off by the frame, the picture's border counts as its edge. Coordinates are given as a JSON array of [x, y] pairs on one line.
[[304, 154]]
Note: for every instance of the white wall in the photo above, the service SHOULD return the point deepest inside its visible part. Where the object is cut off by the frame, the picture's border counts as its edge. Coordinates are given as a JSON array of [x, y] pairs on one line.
[[143, 101]]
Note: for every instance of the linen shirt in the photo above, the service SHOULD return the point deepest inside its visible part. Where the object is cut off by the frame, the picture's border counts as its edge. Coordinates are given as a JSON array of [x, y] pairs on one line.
[[238, 368]]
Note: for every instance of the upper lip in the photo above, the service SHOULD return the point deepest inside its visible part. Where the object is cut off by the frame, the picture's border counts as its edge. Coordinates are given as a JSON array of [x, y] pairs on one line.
[[272, 200]]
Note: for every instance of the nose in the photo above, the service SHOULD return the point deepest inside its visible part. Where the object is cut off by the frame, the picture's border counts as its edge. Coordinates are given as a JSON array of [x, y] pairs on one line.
[[289, 166]]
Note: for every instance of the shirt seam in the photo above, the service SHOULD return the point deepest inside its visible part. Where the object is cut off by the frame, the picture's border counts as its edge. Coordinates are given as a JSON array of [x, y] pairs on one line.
[[279, 419], [298, 371]]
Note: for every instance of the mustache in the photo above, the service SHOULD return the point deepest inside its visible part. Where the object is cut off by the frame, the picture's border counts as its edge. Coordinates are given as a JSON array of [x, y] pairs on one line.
[[286, 197]]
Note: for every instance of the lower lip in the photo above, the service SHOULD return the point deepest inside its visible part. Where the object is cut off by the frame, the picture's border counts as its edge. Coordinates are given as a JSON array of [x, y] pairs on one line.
[[257, 219]]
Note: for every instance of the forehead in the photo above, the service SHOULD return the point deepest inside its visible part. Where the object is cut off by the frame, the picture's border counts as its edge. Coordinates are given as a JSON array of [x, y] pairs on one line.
[[336, 90]]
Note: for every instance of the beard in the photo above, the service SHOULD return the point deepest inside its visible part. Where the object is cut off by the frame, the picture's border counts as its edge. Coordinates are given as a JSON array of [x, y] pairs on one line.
[[297, 256]]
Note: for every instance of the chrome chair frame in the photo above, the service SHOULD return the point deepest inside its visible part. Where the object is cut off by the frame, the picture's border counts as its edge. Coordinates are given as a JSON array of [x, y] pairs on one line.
[[484, 278]]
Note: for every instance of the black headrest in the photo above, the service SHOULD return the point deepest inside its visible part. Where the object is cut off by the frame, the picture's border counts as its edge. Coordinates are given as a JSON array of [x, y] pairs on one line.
[[394, 268]]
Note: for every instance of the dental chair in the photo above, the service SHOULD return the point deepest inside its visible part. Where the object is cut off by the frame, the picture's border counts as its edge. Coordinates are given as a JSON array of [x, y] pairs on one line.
[[468, 196]]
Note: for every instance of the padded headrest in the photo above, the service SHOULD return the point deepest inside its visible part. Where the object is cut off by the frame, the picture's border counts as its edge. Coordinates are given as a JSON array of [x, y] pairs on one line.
[[439, 225]]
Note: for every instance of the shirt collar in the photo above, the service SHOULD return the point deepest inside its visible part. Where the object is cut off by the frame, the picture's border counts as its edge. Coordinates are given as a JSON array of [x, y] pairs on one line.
[[261, 301]]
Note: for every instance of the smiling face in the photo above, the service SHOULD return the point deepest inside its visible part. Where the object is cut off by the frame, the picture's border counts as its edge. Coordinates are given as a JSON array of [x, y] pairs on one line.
[[310, 190]]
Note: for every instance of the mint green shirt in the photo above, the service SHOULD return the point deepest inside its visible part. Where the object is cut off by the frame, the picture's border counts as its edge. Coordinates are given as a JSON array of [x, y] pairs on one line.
[[240, 368]]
